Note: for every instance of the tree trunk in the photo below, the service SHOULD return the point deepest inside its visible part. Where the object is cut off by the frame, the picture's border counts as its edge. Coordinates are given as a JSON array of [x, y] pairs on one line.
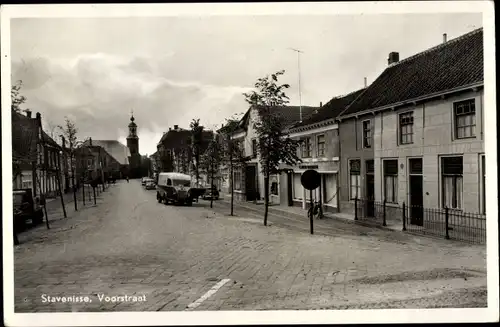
[[266, 197], [60, 191], [73, 181], [231, 180], [212, 184]]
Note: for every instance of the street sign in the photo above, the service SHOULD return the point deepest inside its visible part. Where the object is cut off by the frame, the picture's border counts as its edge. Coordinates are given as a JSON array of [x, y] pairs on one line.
[[310, 179]]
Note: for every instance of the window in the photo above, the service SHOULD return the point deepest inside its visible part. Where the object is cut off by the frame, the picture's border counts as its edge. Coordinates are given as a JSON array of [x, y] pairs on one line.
[[254, 148], [406, 128], [465, 118], [298, 189], [367, 134], [355, 179], [483, 189], [306, 148], [391, 181], [321, 145], [274, 185], [237, 180], [27, 180], [452, 180]]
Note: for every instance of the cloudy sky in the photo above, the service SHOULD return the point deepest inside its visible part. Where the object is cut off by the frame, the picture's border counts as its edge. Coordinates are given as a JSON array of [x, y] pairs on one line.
[[170, 70]]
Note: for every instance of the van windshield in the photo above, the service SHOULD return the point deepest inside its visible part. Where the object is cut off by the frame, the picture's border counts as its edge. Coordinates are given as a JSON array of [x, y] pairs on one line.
[[184, 183]]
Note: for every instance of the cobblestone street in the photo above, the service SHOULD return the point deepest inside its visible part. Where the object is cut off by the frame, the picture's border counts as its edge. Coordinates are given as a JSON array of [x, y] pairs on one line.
[[169, 257]]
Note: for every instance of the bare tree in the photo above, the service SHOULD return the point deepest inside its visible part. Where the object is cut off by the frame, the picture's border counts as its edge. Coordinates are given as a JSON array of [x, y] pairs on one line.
[[274, 146], [69, 132], [231, 152], [16, 97], [196, 143]]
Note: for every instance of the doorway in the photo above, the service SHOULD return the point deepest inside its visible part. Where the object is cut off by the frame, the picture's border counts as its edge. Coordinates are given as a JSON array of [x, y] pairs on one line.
[[416, 192], [370, 188], [290, 188], [250, 182]]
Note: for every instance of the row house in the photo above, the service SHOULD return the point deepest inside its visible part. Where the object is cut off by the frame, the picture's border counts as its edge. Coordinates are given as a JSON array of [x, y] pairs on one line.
[[416, 135], [175, 150], [248, 179], [104, 158], [36, 155], [319, 150]]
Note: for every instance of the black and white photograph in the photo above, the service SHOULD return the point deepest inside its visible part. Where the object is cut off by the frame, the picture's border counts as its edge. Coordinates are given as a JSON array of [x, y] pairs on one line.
[[249, 163]]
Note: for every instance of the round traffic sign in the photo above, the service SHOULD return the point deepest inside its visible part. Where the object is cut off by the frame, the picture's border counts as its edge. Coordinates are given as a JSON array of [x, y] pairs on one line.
[[310, 179]]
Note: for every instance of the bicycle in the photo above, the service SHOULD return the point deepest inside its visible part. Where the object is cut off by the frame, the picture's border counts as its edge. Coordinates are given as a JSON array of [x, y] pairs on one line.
[[317, 210]]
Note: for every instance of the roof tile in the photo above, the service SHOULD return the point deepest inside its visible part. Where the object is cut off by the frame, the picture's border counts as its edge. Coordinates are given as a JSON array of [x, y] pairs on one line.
[[451, 65]]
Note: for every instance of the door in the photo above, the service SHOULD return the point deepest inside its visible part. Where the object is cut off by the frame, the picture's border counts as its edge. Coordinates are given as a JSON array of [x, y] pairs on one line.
[[370, 188], [416, 200], [250, 183], [370, 195], [290, 189]]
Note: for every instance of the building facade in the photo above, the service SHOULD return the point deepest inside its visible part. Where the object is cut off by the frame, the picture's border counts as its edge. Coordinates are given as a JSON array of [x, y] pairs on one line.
[[37, 157], [248, 178], [425, 118], [320, 151]]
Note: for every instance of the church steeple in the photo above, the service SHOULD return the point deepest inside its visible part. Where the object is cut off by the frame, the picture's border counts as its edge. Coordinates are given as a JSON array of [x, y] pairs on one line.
[[132, 139], [132, 127]]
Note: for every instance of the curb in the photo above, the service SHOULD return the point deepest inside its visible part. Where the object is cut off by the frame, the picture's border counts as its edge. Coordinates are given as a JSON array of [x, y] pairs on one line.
[[329, 217]]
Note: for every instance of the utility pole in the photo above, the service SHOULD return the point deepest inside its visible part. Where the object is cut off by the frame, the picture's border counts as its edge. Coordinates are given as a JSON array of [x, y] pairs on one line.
[[300, 93]]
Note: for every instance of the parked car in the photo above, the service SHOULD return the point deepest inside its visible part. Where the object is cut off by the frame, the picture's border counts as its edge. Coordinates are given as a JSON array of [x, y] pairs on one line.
[[150, 184], [25, 208], [211, 193]]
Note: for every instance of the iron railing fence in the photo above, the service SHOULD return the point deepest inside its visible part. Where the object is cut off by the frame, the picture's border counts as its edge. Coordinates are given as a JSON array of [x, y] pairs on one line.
[[447, 223]]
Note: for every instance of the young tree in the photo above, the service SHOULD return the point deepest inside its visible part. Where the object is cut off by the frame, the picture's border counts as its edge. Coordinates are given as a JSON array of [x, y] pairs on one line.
[[16, 97], [210, 162], [69, 132], [196, 143], [231, 152], [274, 146]]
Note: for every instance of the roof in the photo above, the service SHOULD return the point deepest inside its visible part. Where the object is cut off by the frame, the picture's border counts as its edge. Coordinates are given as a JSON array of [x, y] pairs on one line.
[[115, 149], [24, 138], [289, 114], [331, 109], [24, 134], [448, 66]]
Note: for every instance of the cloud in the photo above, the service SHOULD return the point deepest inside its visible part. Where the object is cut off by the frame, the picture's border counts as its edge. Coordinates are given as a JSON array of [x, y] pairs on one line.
[[100, 90]]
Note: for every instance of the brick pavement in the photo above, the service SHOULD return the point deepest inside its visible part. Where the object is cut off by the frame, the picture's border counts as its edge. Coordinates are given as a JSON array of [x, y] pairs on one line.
[[130, 244]]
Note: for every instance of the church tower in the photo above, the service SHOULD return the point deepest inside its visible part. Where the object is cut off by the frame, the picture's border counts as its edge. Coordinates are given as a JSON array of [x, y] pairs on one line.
[[132, 139], [133, 146]]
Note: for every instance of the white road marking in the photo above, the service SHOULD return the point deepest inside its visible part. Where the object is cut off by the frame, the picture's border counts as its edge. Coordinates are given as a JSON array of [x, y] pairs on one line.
[[208, 294]]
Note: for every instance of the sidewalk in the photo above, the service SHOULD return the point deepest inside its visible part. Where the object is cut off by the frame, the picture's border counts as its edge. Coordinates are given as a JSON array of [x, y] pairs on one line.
[[298, 212]]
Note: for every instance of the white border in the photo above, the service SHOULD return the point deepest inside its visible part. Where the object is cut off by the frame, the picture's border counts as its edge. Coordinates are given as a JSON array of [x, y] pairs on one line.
[[261, 317]]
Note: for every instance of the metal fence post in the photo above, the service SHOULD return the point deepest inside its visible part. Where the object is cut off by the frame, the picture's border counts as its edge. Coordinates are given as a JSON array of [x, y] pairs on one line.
[[384, 222], [356, 208], [447, 218], [404, 216]]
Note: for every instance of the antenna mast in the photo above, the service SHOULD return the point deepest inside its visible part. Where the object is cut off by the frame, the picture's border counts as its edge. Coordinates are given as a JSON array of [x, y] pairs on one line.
[[300, 93]]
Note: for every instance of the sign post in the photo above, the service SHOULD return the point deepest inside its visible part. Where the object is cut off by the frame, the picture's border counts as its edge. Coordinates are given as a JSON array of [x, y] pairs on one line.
[[311, 180]]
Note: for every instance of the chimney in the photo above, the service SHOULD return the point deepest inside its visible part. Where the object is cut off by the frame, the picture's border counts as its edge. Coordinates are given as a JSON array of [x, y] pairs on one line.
[[393, 58], [169, 129], [90, 141], [176, 127], [28, 113], [63, 142], [366, 83], [444, 38], [320, 104], [39, 118]]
